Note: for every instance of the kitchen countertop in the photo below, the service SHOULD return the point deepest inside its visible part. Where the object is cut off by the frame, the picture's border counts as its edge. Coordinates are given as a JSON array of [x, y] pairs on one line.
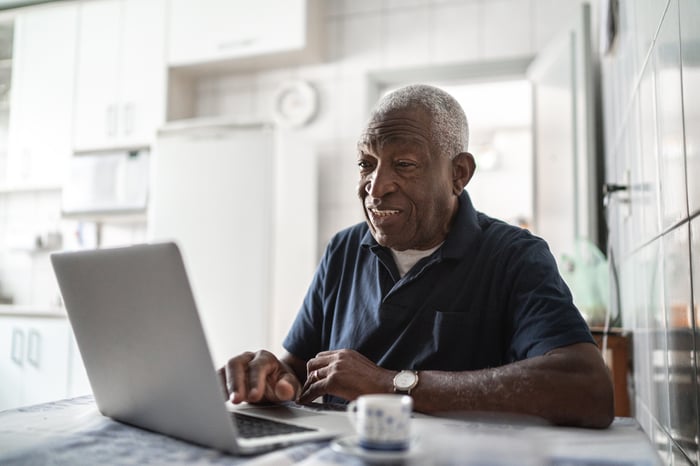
[[19, 310]]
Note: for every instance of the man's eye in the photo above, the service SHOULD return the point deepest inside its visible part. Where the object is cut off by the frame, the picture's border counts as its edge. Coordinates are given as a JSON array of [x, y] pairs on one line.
[[405, 164], [363, 164]]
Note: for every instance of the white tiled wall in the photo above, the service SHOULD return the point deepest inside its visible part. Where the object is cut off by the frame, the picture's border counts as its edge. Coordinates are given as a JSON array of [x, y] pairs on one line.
[[650, 83]]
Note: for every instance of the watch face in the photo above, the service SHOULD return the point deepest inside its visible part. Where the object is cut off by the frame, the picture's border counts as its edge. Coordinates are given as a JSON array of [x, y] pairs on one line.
[[405, 379]]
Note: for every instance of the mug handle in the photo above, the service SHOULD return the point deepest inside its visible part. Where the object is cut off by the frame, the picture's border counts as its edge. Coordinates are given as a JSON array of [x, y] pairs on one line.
[[351, 411]]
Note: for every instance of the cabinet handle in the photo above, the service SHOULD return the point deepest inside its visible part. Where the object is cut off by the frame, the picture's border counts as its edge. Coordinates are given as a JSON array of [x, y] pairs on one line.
[[242, 43], [34, 348], [17, 351], [128, 118], [111, 120]]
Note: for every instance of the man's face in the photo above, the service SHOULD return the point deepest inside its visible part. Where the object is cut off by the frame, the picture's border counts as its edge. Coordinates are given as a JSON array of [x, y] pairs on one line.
[[407, 188]]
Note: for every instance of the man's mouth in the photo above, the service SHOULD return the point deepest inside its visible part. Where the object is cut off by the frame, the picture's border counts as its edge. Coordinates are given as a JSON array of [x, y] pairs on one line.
[[383, 213]]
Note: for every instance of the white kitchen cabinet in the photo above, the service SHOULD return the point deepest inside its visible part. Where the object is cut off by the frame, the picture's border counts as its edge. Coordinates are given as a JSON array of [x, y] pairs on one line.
[[121, 73], [34, 360], [41, 98], [215, 31]]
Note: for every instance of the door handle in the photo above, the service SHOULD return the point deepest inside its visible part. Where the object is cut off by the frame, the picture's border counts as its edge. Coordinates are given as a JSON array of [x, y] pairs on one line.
[[34, 348], [17, 350]]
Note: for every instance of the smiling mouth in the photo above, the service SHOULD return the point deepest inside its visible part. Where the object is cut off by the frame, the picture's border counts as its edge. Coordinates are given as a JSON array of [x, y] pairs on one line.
[[383, 213]]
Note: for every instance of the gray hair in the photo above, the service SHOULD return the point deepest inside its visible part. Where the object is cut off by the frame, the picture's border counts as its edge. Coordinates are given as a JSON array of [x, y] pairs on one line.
[[449, 129]]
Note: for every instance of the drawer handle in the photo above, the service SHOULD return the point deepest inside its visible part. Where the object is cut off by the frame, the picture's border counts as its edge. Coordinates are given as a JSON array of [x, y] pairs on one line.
[[237, 44]]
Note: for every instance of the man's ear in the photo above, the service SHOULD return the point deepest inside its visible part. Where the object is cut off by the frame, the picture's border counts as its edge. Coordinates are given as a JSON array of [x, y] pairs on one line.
[[463, 167]]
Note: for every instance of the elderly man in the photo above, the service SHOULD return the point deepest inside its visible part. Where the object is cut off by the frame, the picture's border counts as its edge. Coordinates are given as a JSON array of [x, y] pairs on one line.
[[430, 297]]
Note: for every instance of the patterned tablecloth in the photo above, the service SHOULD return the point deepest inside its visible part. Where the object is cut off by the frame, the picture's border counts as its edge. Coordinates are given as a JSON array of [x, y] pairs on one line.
[[73, 432]]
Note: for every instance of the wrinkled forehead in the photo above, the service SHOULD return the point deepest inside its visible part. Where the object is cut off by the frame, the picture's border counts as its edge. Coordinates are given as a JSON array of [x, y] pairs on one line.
[[408, 126]]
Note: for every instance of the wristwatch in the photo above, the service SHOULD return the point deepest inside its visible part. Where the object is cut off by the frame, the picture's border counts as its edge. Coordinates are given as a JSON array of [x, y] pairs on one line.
[[405, 381]]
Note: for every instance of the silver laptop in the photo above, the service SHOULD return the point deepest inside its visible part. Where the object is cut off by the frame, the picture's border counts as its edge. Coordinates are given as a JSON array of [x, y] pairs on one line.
[[138, 331]]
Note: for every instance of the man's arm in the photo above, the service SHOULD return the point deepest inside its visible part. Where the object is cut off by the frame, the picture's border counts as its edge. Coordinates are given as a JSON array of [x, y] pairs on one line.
[[567, 386]]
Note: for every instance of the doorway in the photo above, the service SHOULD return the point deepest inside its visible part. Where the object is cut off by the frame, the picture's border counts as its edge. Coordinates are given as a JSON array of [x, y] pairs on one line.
[[500, 138], [499, 111]]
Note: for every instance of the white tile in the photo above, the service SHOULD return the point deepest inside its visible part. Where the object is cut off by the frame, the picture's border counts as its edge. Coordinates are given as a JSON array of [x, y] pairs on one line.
[[627, 40], [237, 100], [273, 77], [648, 134], [318, 72], [265, 102], [331, 48], [670, 119], [334, 7], [408, 37], [690, 34], [351, 7], [207, 101], [360, 42], [404, 4], [352, 110], [550, 17], [505, 28], [455, 32], [695, 261], [677, 277], [648, 17]]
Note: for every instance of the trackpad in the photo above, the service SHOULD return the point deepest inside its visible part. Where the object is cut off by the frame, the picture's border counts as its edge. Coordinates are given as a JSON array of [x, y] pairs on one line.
[[278, 412]]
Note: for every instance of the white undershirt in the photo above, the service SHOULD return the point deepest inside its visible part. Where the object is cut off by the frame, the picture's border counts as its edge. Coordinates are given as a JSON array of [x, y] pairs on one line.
[[405, 260]]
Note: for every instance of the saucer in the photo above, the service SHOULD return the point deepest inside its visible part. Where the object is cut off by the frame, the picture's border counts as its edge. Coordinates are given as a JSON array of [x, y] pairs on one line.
[[351, 446]]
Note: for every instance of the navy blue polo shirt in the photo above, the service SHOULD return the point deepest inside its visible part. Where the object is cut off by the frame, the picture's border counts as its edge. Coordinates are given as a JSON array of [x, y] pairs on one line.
[[490, 295]]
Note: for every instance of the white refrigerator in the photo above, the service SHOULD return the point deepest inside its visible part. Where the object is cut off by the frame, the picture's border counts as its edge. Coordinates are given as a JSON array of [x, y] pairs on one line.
[[212, 192]]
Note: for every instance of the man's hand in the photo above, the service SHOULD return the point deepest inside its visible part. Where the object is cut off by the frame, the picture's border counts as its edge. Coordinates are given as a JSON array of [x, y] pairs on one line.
[[346, 374], [258, 377]]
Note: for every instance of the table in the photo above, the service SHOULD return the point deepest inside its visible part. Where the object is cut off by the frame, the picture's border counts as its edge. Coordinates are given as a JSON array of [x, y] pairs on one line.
[[73, 432], [617, 358]]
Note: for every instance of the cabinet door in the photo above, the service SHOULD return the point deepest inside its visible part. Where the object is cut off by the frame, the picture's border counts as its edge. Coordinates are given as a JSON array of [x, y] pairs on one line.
[[96, 113], [33, 360], [46, 367], [209, 30], [12, 347], [41, 102], [142, 72]]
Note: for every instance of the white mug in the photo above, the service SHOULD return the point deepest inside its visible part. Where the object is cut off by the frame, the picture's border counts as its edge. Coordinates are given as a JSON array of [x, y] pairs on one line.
[[382, 422]]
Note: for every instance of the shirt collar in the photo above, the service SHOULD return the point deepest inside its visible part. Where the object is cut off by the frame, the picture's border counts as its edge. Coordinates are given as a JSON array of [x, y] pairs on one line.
[[461, 237]]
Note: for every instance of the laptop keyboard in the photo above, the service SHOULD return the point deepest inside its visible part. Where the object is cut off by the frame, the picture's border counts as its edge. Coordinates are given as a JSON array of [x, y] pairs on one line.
[[255, 427]]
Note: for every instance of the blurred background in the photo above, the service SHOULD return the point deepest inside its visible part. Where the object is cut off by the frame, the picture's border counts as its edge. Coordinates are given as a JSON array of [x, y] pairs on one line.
[[230, 127]]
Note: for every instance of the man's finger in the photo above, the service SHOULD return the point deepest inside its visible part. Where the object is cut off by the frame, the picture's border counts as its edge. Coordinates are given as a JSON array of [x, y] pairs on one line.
[[312, 391], [286, 388], [236, 374], [259, 369]]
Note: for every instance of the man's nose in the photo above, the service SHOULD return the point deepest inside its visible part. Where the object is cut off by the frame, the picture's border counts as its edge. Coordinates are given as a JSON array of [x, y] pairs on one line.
[[381, 182]]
